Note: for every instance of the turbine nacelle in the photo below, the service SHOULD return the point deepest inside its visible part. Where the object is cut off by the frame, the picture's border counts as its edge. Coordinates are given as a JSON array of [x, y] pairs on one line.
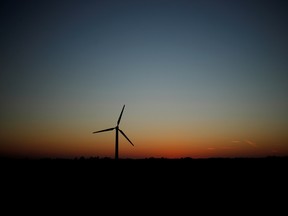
[[117, 129]]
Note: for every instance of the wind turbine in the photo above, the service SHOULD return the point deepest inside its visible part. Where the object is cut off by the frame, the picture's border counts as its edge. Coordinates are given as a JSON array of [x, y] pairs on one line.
[[117, 129]]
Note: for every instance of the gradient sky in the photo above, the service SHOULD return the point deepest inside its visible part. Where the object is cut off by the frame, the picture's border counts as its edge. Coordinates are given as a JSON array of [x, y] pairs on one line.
[[199, 78]]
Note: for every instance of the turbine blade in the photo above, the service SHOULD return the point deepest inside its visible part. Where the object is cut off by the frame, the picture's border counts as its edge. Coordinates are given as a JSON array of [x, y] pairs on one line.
[[109, 129], [118, 122], [125, 136]]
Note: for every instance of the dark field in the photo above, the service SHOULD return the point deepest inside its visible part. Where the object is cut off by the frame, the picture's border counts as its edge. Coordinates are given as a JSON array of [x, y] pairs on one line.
[[164, 184], [102, 168]]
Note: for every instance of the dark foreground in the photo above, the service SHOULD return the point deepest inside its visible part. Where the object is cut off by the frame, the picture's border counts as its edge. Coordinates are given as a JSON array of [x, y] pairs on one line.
[[178, 185], [103, 169]]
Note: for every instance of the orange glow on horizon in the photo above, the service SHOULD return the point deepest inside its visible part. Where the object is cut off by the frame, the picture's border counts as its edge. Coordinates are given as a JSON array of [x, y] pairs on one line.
[[107, 150], [104, 146]]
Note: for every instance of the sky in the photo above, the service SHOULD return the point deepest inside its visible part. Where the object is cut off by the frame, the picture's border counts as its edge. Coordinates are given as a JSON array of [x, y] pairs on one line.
[[198, 78]]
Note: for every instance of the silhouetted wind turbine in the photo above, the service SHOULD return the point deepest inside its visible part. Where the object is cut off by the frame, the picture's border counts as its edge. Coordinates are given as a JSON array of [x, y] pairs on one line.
[[116, 129]]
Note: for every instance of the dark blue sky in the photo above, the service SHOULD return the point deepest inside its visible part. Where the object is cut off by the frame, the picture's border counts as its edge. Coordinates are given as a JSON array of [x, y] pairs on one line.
[[219, 67]]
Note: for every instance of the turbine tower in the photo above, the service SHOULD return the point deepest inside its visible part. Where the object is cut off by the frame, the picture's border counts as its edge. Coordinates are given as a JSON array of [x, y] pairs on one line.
[[117, 129]]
